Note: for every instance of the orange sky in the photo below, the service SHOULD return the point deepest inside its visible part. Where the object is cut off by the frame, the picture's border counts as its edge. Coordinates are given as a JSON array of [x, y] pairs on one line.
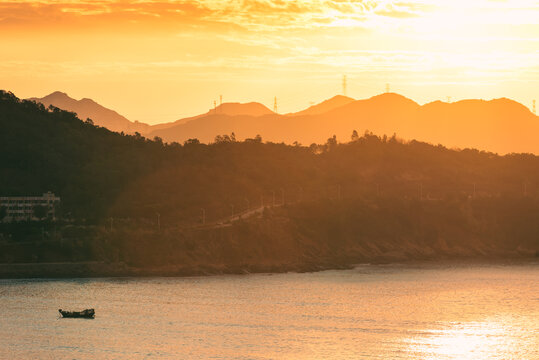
[[158, 61]]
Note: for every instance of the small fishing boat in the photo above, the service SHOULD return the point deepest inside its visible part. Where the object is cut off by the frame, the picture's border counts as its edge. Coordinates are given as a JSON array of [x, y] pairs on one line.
[[88, 313]]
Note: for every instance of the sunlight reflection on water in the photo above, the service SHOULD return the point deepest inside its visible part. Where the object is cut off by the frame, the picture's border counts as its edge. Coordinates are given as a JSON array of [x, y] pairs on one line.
[[372, 312], [474, 340]]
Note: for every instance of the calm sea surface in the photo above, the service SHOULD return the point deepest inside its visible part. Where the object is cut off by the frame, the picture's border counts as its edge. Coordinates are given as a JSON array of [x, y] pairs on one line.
[[371, 312]]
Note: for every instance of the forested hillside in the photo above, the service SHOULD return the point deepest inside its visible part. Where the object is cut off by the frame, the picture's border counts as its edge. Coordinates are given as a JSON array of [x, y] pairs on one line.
[[99, 174], [46, 149], [139, 205]]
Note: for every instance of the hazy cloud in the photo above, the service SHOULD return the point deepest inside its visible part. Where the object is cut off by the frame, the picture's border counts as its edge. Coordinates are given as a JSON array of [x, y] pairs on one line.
[[244, 47], [246, 13]]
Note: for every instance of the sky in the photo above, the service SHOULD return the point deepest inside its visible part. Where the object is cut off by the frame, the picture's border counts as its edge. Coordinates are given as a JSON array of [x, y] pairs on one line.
[[158, 61]]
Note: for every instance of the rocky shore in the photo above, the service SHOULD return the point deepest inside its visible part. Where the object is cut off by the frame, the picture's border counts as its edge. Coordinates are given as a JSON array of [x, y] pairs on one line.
[[120, 269]]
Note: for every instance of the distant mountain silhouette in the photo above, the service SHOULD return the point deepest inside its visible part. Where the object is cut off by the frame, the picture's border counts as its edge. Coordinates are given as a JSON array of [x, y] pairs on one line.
[[87, 108], [325, 106], [500, 125], [229, 109], [233, 109]]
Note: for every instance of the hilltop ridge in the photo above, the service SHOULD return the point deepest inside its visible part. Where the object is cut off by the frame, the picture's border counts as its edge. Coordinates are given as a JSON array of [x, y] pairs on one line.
[[325, 106], [254, 109], [88, 108], [498, 125]]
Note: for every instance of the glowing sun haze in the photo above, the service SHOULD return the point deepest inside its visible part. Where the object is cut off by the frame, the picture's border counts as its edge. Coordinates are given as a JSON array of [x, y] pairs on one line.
[[157, 61]]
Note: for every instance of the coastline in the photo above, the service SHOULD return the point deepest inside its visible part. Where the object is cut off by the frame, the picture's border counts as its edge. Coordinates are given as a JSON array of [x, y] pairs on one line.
[[298, 238], [96, 269]]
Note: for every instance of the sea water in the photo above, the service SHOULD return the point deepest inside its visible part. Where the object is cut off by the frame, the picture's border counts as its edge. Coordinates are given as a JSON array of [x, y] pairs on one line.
[[419, 311]]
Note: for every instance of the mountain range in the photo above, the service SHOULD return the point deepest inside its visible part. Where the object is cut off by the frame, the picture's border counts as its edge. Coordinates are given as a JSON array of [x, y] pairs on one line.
[[500, 125], [88, 108]]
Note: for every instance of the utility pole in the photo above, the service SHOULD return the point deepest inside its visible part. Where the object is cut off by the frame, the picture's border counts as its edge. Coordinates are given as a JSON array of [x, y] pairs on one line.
[[275, 104], [203, 216], [214, 106], [344, 85], [220, 100], [533, 107]]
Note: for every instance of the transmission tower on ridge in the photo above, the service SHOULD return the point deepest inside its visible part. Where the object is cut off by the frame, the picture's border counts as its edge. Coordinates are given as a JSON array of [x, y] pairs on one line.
[[344, 85], [533, 107], [275, 104], [387, 87]]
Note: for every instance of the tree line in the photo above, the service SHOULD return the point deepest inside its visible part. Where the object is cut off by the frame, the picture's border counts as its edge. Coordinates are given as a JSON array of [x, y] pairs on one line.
[[101, 174]]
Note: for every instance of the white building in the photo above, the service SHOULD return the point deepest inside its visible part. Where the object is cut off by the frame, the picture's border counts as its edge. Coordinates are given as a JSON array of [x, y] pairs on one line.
[[23, 207]]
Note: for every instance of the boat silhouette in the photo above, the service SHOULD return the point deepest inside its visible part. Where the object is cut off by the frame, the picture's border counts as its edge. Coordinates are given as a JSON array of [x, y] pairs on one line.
[[88, 313]]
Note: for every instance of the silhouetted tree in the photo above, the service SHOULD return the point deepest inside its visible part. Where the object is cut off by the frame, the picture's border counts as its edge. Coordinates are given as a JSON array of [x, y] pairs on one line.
[[194, 141], [331, 143], [222, 139], [257, 139]]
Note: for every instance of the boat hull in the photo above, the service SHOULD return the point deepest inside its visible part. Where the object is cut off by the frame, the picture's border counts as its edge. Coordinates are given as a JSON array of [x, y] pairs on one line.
[[86, 314]]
